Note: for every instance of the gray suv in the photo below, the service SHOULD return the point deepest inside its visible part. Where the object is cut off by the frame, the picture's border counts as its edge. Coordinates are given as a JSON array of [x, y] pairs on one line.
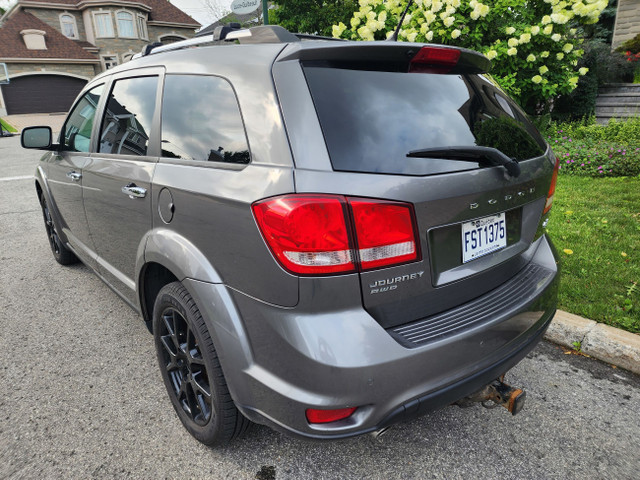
[[325, 237]]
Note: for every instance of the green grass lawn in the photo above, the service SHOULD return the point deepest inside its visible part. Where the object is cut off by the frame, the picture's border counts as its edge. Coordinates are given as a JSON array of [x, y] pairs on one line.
[[7, 127], [595, 225]]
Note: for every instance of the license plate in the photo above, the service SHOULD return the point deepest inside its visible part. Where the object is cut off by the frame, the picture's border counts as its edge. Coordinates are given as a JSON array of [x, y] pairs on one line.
[[483, 236]]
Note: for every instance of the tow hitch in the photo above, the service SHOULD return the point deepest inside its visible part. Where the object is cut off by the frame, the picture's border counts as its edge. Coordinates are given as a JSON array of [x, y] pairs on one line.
[[496, 394]]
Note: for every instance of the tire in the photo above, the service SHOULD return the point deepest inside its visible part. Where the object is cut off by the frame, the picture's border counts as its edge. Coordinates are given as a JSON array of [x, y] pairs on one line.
[[191, 370], [61, 253]]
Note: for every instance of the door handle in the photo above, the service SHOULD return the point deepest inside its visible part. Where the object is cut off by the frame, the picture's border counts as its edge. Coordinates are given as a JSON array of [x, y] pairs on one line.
[[134, 191], [75, 176]]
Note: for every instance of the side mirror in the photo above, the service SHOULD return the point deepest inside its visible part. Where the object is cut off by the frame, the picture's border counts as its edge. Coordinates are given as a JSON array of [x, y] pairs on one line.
[[36, 137]]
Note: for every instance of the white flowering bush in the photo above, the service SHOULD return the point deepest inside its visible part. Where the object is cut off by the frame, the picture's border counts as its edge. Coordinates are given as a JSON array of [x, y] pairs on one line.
[[531, 44]]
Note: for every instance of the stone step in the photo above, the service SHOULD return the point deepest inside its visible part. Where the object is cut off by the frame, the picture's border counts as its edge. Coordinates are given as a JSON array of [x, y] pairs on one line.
[[618, 102], [619, 94], [620, 87], [624, 111]]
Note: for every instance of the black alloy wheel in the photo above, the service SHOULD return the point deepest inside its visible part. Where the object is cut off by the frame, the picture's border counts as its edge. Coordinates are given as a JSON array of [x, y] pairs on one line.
[[62, 254], [191, 369], [185, 367]]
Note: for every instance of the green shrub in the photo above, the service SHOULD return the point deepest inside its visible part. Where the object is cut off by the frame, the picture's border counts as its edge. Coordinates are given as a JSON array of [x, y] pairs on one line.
[[588, 149]]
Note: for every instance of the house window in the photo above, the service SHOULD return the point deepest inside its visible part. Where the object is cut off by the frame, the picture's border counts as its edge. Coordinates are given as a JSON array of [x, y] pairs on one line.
[[109, 61], [68, 26], [125, 25], [142, 27], [104, 25]]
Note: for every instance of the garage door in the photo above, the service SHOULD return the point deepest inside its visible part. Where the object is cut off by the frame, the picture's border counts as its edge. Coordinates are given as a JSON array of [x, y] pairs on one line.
[[41, 93]]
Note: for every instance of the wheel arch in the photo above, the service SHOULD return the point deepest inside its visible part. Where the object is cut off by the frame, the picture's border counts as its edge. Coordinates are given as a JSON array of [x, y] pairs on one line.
[[168, 257]]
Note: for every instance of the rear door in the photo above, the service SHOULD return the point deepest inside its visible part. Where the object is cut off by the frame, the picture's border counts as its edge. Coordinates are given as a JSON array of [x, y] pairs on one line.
[[117, 181], [475, 221]]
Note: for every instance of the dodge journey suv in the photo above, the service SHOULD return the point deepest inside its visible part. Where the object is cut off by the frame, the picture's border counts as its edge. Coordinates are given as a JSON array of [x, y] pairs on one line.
[[325, 237]]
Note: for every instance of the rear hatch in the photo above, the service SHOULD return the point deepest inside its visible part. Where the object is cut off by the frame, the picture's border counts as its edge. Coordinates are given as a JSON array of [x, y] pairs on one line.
[[405, 123]]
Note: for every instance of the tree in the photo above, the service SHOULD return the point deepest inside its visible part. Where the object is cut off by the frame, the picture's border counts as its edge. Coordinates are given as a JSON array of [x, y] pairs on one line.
[[312, 16], [533, 47]]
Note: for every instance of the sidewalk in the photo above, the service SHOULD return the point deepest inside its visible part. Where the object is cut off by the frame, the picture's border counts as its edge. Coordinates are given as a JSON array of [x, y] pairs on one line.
[[53, 120]]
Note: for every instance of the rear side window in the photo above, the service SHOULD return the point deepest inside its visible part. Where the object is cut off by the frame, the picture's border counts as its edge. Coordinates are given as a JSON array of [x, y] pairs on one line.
[[128, 116], [372, 119], [77, 128], [201, 120]]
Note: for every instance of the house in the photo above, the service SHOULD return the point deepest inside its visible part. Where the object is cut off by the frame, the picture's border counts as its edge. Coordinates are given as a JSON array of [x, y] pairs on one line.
[[627, 23], [53, 47]]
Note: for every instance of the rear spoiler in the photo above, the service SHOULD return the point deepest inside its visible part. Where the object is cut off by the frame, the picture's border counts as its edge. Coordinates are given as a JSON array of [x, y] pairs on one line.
[[402, 56]]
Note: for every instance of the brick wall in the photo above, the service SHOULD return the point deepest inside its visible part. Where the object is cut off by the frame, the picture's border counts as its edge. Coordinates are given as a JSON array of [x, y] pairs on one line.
[[627, 21]]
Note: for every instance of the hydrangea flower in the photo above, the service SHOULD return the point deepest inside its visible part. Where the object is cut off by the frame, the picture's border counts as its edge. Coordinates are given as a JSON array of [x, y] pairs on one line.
[[531, 58], [543, 69], [512, 42], [510, 30], [556, 37], [535, 30], [491, 54], [512, 51], [456, 33], [536, 79]]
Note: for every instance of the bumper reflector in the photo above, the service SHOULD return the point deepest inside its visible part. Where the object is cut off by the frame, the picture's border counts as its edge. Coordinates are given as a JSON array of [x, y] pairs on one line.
[[328, 416]]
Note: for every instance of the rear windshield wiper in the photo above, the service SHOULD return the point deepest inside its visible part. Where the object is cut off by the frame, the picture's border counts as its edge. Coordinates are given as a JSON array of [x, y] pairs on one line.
[[486, 156]]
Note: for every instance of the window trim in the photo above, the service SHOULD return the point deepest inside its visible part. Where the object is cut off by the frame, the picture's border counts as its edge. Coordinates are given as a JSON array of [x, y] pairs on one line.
[[74, 25], [95, 14], [133, 23], [103, 60], [141, 23]]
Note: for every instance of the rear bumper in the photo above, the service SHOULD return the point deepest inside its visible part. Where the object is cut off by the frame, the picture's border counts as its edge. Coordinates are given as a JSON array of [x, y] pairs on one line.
[[279, 362]]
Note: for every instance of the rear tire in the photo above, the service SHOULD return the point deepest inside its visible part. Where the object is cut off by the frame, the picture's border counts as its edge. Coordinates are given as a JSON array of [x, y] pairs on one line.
[[61, 253], [191, 370]]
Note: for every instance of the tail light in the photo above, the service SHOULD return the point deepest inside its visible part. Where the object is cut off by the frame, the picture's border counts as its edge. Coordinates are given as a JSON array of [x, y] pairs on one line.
[[313, 234], [327, 416], [434, 60], [385, 232], [552, 188]]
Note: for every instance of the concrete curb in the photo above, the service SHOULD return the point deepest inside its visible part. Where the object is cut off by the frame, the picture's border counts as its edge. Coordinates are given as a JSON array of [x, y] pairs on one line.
[[598, 340]]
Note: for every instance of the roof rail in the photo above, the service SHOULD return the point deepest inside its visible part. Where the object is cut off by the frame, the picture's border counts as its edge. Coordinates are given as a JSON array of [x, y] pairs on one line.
[[227, 33]]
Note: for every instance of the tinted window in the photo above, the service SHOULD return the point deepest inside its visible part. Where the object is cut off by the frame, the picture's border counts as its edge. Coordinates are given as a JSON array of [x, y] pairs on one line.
[[201, 120], [372, 119], [77, 129], [128, 116]]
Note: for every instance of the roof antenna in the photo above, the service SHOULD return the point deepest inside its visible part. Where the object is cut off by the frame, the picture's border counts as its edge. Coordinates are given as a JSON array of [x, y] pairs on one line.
[[394, 37]]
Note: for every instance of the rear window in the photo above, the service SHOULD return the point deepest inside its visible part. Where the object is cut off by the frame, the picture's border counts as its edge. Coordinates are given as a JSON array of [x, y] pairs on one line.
[[372, 119]]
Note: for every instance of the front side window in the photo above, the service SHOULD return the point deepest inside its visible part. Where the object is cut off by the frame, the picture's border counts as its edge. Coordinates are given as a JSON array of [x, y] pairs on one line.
[[104, 26], [201, 120], [76, 132], [125, 24], [68, 26], [128, 116]]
